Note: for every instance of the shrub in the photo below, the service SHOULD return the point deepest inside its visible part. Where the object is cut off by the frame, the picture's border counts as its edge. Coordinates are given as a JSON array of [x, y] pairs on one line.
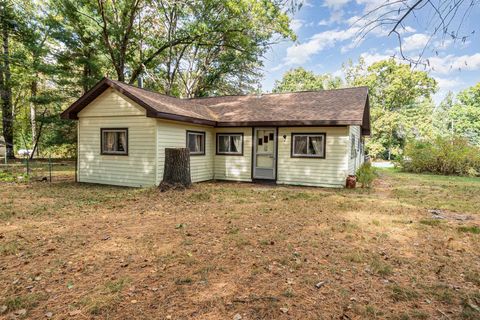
[[445, 155], [366, 174]]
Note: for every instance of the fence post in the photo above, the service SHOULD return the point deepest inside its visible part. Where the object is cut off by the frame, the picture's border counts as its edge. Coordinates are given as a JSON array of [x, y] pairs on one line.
[[50, 167], [28, 168]]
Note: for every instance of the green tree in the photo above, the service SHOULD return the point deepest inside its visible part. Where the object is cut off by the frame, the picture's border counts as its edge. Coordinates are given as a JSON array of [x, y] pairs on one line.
[[7, 25], [465, 114], [299, 79], [401, 105]]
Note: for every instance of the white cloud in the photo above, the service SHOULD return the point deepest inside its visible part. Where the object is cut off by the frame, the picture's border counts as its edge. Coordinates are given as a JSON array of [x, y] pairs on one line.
[[296, 24], [448, 84], [299, 54], [335, 17], [449, 63], [371, 58], [335, 4], [306, 3], [415, 42], [372, 4]]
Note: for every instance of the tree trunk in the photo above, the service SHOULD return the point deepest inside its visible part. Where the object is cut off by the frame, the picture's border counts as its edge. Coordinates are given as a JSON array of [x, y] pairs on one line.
[[6, 93], [176, 172], [33, 113]]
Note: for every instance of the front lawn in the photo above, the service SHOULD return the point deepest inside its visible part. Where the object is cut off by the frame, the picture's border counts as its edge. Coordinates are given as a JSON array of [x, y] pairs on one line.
[[407, 249]]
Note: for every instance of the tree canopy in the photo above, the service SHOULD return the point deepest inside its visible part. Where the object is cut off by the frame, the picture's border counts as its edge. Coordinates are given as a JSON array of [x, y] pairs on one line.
[[55, 50], [299, 79], [400, 100]]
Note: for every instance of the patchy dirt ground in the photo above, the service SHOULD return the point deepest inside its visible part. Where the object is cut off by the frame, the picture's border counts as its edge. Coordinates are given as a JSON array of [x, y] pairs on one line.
[[242, 251]]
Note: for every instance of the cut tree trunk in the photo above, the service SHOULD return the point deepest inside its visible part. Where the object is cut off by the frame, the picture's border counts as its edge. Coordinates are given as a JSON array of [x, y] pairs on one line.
[[176, 172]]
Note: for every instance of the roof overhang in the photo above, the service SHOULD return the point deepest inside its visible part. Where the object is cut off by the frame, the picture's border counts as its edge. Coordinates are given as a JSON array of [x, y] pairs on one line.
[[72, 112], [365, 125]]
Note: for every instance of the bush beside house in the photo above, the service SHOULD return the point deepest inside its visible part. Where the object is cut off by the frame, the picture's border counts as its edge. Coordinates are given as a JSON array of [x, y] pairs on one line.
[[444, 155]]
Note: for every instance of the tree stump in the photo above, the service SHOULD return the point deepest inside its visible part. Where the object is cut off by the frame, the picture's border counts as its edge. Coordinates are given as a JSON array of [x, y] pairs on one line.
[[176, 171]]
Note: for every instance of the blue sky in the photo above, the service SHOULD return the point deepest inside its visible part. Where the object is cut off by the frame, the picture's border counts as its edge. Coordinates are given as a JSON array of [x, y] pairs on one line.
[[327, 37]]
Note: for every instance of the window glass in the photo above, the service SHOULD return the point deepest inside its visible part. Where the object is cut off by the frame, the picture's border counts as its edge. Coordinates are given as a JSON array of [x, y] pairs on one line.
[[196, 142], [229, 143], [308, 145], [114, 141]]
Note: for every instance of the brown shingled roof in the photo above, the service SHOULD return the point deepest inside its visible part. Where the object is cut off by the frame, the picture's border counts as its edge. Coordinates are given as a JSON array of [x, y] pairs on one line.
[[347, 106]]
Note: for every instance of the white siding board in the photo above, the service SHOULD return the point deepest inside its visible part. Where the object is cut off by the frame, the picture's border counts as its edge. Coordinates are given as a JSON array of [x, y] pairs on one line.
[[136, 170], [235, 168], [354, 163], [110, 104], [329, 172], [172, 134]]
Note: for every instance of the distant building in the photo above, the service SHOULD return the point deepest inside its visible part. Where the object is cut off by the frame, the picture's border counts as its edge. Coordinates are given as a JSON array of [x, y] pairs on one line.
[[2, 147]]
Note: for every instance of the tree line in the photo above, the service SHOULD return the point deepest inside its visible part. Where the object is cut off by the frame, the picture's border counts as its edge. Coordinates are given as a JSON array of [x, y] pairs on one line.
[[55, 50], [401, 101]]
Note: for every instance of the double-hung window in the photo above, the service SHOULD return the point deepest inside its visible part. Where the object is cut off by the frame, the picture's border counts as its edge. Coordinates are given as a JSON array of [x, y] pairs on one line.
[[308, 145], [230, 143], [114, 141], [196, 142]]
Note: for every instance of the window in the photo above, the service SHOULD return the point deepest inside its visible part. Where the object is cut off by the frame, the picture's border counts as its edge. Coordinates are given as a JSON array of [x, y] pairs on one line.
[[353, 150], [230, 143], [114, 141], [196, 142], [308, 145]]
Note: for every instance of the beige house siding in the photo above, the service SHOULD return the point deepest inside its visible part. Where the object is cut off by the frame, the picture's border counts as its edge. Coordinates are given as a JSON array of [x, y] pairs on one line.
[[172, 134], [355, 162], [236, 168], [112, 110], [328, 172]]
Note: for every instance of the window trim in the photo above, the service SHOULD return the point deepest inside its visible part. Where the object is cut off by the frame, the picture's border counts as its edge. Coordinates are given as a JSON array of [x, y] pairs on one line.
[[110, 153], [218, 153], [202, 153], [293, 134]]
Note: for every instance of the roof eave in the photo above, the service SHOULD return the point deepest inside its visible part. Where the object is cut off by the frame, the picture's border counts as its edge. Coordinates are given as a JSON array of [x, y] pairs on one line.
[[285, 123]]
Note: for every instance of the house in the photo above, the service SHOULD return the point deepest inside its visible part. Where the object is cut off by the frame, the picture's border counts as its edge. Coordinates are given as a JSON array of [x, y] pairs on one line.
[[312, 138]]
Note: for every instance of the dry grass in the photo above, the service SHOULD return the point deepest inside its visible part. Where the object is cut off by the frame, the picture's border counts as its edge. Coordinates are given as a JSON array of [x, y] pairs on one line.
[[218, 249]]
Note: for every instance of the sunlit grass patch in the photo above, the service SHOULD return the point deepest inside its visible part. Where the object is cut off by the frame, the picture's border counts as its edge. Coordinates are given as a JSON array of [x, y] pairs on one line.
[[469, 229], [400, 293], [26, 301], [431, 222]]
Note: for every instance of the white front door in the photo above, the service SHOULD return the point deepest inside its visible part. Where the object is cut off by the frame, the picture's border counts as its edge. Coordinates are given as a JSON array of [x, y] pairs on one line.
[[264, 153]]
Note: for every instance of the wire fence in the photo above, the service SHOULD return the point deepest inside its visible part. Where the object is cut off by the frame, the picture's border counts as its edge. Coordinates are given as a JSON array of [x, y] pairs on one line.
[[37, 170]]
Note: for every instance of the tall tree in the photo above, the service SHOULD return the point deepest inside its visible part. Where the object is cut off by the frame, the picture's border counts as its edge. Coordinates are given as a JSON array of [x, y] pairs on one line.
[[7, 24], [299, 79], [465, 114], [400, 101]]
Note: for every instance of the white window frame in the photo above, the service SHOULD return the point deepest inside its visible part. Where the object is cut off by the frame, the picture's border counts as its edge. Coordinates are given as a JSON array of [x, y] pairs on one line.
[[103, 131], [230, 137], [309, 136], [202, 144]]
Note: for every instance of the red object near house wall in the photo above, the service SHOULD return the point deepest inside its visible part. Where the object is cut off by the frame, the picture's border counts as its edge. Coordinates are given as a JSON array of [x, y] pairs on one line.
[[351, 182]]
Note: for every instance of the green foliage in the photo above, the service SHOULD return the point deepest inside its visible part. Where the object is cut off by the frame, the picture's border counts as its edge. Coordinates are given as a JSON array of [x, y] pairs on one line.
[[443, 155], [60, 48], [400, 100], [366, 174], [300, 79], [465, 114]]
